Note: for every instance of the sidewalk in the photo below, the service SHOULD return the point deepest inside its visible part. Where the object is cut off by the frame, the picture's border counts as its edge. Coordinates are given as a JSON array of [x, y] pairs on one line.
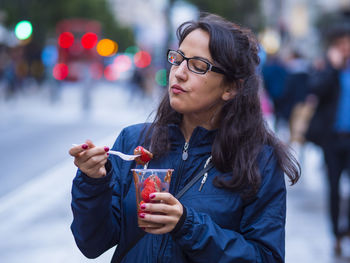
[[308, 229]]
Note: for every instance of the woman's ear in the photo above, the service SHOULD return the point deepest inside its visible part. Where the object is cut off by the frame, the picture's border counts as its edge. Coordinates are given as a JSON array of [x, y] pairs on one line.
[[229, 93]]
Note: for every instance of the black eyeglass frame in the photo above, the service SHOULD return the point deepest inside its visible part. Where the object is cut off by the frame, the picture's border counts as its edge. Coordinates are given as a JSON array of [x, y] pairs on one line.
[[210, 67]]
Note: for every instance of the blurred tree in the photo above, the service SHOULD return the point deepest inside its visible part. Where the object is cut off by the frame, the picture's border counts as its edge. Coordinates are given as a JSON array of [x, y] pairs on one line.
[[247, 13], [44, 15]]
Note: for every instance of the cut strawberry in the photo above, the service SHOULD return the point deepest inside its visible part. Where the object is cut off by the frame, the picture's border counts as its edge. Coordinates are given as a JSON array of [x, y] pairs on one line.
[[145, 156]]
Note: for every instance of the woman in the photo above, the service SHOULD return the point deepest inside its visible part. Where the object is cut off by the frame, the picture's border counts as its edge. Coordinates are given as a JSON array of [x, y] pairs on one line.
[[211, 109]]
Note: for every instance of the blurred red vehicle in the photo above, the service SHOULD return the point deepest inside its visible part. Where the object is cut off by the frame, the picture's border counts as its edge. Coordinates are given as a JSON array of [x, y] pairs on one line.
[[77, 55]]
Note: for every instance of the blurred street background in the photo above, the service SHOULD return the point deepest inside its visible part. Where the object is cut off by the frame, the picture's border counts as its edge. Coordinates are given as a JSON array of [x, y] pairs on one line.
[[72, 70]]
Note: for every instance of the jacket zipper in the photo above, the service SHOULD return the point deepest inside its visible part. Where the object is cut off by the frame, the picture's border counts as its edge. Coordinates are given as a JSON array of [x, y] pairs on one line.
[[184, 157]]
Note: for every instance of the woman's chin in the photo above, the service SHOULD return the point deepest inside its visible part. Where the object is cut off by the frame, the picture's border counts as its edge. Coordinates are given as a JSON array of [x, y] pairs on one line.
[[177, 110], [175, 105]]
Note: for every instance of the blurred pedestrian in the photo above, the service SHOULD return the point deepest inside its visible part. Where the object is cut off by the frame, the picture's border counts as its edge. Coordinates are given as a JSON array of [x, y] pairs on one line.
[[296, 87], [330, 126], [210, 117], [274, 74]]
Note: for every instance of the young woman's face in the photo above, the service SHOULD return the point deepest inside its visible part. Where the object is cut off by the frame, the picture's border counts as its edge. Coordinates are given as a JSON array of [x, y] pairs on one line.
[[192, 93]]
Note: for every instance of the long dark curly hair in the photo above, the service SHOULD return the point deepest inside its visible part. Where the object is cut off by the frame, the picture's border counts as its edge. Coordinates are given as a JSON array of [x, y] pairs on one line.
[[242, 131]]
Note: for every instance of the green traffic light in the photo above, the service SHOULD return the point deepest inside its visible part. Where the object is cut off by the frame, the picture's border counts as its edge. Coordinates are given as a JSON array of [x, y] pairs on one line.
[[23, 30]]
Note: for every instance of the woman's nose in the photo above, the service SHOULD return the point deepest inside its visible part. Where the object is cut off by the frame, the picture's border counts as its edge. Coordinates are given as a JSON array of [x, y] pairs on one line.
[[181, 70]]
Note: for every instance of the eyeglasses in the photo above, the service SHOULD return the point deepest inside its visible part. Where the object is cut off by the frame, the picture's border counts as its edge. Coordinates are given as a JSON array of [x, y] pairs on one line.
[[195, 64]]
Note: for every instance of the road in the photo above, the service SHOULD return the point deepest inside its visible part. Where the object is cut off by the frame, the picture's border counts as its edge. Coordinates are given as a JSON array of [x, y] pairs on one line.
[[33, 147]]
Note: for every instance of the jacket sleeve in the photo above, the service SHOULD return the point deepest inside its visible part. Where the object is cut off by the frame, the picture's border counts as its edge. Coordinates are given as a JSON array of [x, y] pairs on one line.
[[262, 227], [96, 222], [321, 81]]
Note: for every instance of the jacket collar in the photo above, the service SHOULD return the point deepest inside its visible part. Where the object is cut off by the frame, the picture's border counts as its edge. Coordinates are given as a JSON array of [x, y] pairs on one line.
[[199, 137]]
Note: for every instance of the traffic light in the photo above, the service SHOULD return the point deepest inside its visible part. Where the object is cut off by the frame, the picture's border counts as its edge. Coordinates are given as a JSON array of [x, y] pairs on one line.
[[23, 30]]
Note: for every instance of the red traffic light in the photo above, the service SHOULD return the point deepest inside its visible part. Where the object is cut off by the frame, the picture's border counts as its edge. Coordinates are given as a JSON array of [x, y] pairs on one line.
[[66, 39], [89, 40]]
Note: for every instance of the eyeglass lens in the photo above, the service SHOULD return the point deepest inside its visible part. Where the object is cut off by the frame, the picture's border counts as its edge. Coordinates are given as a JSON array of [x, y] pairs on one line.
[[195, 65]]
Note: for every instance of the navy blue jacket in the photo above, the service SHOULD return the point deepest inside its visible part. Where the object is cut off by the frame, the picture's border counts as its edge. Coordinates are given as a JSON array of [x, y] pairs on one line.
[[219, 227], [326, 86]]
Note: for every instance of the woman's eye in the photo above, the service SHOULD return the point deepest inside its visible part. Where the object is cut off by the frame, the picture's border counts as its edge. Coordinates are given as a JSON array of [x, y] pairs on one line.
[[176, 60], [199, 65]]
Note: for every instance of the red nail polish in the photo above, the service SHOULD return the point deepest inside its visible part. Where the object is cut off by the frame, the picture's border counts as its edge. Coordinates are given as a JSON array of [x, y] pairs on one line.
[[143, 228], [106, 149], [142, 215], [143, 206], [152, 196], [84, 146], [107, 154]]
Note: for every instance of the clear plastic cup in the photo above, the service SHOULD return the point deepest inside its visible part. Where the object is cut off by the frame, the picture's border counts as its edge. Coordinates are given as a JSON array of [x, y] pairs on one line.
[[148, 181]]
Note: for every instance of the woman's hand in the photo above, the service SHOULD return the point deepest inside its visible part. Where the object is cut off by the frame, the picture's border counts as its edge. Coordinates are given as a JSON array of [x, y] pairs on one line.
[[165, 214], [90, 159]]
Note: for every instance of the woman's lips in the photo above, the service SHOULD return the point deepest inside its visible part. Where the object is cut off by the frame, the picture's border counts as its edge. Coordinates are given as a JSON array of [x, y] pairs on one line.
[[176, 89]]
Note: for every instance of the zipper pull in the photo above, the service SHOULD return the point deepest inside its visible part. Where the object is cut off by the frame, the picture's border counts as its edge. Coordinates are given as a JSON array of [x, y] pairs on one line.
[[203, 181], [206, 174], [184, 152]]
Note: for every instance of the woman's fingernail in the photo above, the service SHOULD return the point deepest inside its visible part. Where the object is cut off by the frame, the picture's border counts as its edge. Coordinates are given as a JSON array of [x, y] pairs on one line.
[[107, 154], [143, 228], [142, 215], [84, 146], [152, 196], [143, 206], [106, 149]]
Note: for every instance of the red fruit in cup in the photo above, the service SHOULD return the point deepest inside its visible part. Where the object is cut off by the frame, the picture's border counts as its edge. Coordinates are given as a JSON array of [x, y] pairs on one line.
[[149, 189], [154, 181]]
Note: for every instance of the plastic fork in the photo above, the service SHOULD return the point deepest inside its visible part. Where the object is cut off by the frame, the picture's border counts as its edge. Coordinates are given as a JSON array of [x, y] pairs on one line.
[[124, 156]]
